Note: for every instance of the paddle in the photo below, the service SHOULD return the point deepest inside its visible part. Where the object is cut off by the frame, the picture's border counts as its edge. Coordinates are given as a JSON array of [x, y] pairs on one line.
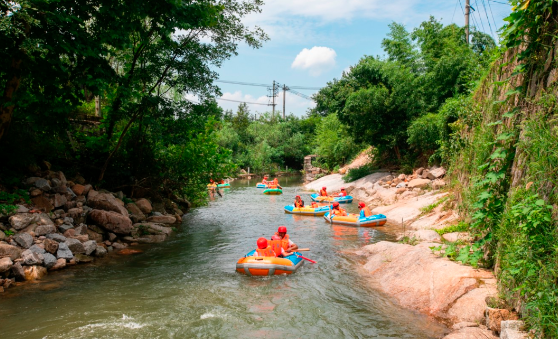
[[310, 260], [303, 249]]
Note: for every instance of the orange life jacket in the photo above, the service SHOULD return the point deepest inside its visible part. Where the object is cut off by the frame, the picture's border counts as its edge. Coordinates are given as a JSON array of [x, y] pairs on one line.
[[275, 181], [299, 204], [264, 182], [323, 193], [276, 246], [340, 212], [314, 204], [265, 252], [342, 194], [272, 186], [367, 211], [284, 241]]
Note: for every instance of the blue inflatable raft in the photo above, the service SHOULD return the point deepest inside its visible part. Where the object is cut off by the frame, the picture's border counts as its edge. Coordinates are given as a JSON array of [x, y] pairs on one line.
[[317, 211], [342, 200], [355, 220]]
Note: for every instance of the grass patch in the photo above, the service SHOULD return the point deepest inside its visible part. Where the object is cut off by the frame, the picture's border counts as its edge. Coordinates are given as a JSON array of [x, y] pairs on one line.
[[409, 240], [461, 227], [429, 208]]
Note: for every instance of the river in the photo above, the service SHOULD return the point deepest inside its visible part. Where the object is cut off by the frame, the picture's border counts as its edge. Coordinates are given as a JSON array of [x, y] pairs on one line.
[[188, 287]]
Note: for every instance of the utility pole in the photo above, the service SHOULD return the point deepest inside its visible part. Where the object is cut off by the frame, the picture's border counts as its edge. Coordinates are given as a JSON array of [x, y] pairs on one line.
[[467, 12], [285, 88], [273, 104]]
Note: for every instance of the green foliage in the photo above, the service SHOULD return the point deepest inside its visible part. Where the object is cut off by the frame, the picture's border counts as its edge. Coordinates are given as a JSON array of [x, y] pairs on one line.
[[409, 241], [360, 172], [429, 208], [9, 232], [460, 227], [334, 145]]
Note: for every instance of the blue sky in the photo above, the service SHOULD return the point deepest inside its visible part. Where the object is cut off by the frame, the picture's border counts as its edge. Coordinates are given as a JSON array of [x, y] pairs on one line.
[[313, 41]]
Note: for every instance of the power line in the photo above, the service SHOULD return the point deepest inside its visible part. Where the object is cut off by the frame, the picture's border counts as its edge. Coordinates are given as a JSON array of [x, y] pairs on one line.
[[233, 82], [480, 17], [498, 2], [492, 14], [244, 102], [454, 10], [487, 19]]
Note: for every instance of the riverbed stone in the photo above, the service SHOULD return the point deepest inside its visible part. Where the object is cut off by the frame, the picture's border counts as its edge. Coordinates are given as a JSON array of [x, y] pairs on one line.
[[59, 200], [24, 240], [60, 263], [64, 252], [42, 184], [82, 238], [17, 272], [144, 205], [147, 239], [119, 246], [89, 246], [64, 227], [98, 237], [82, 258], [163, 219], [105, 202], [75, 245], [135, 212], [418, 183], [49, 260], [100, 251], [78, 189], [5, 264], [34, 272], [21, 220], [51, 246], [43, 203], [30, 258], [81, 229], [56, 237], [70, 233], [45, 229], [426, 235], [471, 333], [112, 221], [37, 249], [10, 251]]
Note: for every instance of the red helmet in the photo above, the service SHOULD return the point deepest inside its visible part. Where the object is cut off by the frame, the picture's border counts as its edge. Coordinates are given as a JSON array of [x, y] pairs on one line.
[[275, 237], [282, 229], [342, 188], [336, 204], [323, 188], [298, 196], [361, 204], [262, 243]]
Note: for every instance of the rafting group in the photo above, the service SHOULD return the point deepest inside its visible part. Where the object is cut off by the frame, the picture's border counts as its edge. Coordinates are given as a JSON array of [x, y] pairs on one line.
[[279, 255], [271, 187]]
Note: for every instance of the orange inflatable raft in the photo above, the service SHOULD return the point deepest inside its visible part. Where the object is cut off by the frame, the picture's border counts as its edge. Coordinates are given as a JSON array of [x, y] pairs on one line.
[[264, 266]]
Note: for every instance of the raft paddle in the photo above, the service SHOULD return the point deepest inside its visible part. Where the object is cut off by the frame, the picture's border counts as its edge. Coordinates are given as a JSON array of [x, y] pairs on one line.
[[303, 249], [310, 260]]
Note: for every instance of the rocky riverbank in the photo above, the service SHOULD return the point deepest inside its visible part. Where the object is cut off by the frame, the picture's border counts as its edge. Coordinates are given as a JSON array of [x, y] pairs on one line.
[[457, 295], [67, 222]]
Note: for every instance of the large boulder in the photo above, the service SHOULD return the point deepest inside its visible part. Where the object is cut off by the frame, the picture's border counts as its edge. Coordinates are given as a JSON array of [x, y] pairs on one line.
[[31, 258], [75, 245], [420, 183], [424, 282], [51, 246], [89, 247], [5, 264], [56, 237], [437, 173], [45, 229], [144, 205], [135, 212], [64, 252], [21, 220], [24, 240], [49, 260], [162, 219], [10, 251], [112, 221], [105, 202]]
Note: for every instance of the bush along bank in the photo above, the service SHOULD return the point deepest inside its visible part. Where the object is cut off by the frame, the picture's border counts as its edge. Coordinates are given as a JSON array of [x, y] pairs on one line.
[[56, 223]]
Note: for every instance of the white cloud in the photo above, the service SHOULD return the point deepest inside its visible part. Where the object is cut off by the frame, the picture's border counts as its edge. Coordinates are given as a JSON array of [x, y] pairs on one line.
[[316, 60]]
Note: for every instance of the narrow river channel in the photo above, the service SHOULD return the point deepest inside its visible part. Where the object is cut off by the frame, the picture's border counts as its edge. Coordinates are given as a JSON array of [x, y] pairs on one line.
[[188, 287]]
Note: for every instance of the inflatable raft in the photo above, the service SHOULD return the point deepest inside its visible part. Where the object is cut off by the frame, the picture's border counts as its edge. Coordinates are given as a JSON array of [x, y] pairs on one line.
[[342, 200], [307, 210], [273, 191], [353, 219], [226, 185], [211, 186], [263, 266], [260, 185]]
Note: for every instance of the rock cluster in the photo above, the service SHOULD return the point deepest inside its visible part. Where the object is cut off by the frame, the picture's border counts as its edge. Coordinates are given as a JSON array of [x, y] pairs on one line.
[[68, 222]]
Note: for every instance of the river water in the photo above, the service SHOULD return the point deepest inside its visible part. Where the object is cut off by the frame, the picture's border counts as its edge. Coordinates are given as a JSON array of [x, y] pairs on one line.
[[188, 287]]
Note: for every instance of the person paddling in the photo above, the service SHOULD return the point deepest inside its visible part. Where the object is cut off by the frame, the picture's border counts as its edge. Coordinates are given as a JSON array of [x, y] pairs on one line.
[[336, 210], [263, 249], [298, 203], [364, 211], [276, 245], [343, 193], [264, 180], [286, 243], [323, 192]]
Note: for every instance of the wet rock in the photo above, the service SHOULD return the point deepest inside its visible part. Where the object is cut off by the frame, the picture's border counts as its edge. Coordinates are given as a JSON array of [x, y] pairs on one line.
[[100, 251], [17, 272], [31, 258], [147, 239], [495, 316], [129, 251], [24, 240], [56, 237], [34, 272], [49, 260], [137, 214], [78, 189], [119, 246], [418, 183], [64, 252], [105, 202], [8, 282], [59, 200], [75, 245], [60, 263], [471, 333], [82, 258], [10, 251], [112, 221], [144, 205], [90, 247], [5, 264], [45, 229], [163, 219], [51, 246], [21, 220], [151, 228]]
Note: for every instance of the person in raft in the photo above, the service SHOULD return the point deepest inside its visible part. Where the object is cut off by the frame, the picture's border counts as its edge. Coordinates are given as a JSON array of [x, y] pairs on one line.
[[286, 243], [298, 203], [276, 245], [343, 193], [364, 211], [323, 192], [336, 210], [264, 180], [263, 249]]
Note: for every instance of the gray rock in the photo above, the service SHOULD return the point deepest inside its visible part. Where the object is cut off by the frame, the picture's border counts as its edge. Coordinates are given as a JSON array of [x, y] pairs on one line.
[[21, 220], [70, 193], [119, 246], [42, 184], [112, 237], [59, 212], [75, 245], [22, 209], [45, 229], [81, 229], [59, 200], [24, 240], [37, 249], [513, 329], [44, 219], [31, 181], [401, 184], [69, 220], [49, 260], [55, 182], [64, 252], [5, 264], [57, 237], [90, 246], [64, 227], [100, 251], [157, 214], [18, 272], [31, 259], [10, 251]]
